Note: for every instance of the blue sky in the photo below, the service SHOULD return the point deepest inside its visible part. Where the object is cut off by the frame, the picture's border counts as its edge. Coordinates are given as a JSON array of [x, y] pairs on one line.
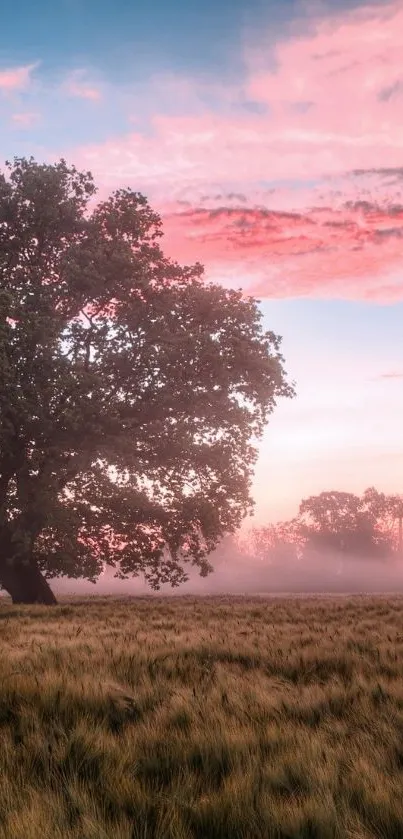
[[344, 429], [256, 114], [127, 36]]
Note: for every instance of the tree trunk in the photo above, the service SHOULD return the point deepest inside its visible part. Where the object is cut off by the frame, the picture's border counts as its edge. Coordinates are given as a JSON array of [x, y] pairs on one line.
[[25, 584]]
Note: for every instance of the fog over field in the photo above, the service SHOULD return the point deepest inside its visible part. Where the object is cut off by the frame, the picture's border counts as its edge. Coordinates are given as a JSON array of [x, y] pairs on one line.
[[243, 574]]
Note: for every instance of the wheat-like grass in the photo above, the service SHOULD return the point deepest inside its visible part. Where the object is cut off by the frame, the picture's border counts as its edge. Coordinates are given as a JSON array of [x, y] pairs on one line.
[[192, 718]]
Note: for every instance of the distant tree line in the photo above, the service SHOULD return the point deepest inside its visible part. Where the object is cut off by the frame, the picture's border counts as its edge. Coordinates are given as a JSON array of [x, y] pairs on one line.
[[336, 524]]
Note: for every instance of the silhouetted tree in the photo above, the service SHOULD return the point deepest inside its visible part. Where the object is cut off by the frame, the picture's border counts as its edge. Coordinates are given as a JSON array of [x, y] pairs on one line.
[[345, 523], [387, 513], [277, 544], [131, 392], [334, 523]]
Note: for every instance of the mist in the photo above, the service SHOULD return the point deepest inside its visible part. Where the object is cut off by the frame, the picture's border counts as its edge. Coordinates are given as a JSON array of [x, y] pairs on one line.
[[237, 571]]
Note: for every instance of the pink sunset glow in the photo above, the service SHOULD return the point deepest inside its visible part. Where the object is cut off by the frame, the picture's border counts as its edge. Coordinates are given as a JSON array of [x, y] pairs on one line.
[[76, 85], [16, 78], [334, 99], [25, 120], [347, 253]]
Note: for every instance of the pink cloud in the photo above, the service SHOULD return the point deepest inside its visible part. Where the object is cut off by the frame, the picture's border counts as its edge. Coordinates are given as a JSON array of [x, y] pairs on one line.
[[16, 78], [25, 119], [77, 86], [334, 101], [346, 252], [348, 74], [394, 375]]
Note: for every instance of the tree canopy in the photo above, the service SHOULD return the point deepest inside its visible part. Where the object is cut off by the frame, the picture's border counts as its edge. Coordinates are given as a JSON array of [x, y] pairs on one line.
[[350, 524], [132, 392], [334, 523]]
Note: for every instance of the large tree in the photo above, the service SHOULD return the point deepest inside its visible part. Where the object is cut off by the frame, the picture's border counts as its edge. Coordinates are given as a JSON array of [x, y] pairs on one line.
[[132, 392]]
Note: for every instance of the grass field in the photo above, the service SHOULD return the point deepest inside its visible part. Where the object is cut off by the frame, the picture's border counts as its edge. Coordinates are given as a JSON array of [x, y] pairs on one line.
[[209, 718]]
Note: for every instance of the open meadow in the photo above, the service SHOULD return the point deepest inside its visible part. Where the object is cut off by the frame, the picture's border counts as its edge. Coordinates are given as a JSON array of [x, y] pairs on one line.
[[202, 718]]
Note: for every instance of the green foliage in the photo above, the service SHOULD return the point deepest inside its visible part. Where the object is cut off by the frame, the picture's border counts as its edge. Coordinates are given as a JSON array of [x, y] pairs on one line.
[[131, 391]]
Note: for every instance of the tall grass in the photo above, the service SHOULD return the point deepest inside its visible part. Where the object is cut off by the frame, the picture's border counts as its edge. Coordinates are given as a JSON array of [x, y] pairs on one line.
[[190, 718]]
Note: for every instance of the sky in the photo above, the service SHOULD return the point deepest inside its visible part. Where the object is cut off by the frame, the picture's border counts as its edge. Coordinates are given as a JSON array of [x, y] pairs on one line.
[[269, 136]]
